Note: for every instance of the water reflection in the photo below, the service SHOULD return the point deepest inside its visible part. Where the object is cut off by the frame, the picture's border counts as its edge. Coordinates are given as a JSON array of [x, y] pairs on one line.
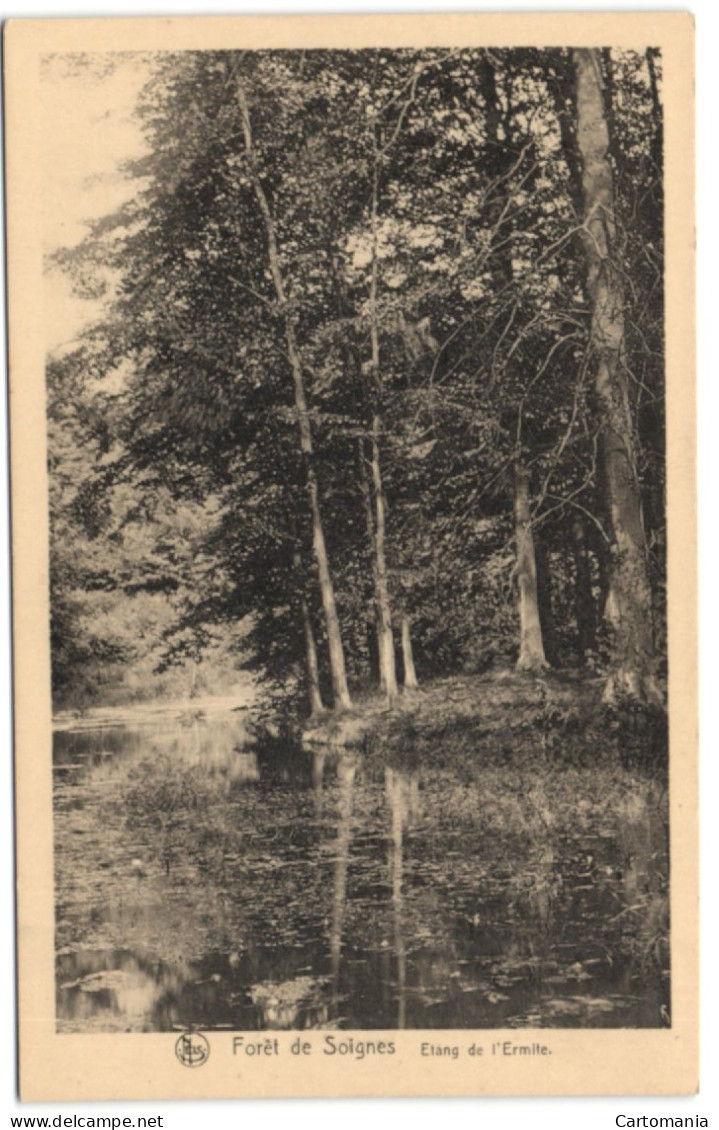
[[116, 990], [346, 771], [218, 744], [403, 799], [312, 890]]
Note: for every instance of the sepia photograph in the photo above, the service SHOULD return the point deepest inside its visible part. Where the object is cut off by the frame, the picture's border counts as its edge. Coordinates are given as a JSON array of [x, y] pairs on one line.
[[355, 435]]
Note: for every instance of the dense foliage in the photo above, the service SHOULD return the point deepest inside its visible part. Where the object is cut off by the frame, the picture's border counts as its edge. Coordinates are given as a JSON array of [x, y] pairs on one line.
[[348, 383]]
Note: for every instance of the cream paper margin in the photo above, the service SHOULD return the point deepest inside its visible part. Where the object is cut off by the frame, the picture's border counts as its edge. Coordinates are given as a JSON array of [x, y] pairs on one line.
[[127, 1066]]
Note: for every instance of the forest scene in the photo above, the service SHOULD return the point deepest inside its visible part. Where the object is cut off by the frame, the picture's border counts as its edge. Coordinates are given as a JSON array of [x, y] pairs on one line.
[[356, 460]]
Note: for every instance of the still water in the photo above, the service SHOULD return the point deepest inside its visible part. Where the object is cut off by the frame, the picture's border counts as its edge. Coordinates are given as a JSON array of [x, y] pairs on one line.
[[201, 880]]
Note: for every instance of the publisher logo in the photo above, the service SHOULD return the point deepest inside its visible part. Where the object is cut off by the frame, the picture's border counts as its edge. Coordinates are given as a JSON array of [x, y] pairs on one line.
[[192, 1049]]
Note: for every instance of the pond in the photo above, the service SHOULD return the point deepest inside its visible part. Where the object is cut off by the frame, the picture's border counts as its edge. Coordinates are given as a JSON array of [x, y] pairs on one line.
[[205, 881]]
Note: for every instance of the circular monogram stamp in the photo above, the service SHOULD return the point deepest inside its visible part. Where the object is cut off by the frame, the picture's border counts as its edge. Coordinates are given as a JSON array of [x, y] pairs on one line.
[[192, 1049]]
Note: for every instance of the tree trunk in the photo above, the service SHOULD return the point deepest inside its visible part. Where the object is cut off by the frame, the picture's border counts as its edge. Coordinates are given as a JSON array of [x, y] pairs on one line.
[[334, 638], [388, 672], [410, 675], [531, 646], [369, 520], [544, 601], [311, 664], [629, 603], [193, 678], [503, 147], [657, 142], [584, 606]]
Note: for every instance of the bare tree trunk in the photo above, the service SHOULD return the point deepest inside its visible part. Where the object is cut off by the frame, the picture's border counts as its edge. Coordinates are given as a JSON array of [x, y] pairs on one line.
[[585, 608], [657, 142], [531, 646], [311, 664], [496, 87], [334, 638], [369, 519], [193, 679], [410, 675], [544, 601], [313, 675], [388, 672], [629, 604]]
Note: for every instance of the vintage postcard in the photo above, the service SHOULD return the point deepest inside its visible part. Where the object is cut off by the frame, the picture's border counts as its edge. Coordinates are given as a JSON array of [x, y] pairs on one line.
[[352, 427]]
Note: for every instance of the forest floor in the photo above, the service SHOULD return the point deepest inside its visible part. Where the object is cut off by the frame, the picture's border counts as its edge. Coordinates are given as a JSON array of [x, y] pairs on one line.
[[505, 715]]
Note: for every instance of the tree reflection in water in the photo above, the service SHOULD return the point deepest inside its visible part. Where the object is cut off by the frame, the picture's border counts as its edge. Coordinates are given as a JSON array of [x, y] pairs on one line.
[[403, 799], [346, 771]]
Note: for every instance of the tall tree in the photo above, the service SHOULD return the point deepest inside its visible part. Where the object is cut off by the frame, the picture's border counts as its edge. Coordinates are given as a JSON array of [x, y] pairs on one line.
[[531, 644], [334, 635], [312, 666], [629, 603], [388, 675]]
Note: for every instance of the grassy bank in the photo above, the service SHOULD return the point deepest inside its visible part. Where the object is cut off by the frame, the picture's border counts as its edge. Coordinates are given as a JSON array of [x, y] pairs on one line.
[[501, 717]]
